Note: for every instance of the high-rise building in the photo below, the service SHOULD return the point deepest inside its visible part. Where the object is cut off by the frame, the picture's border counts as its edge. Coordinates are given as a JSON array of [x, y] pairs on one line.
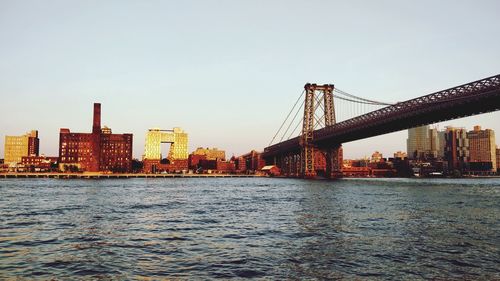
[[424, 143], [417, 142], [176, 137], [482, 150], [434, 143], [97, 151], [177, 158], [457, 148], [18, 146], [441, 144]]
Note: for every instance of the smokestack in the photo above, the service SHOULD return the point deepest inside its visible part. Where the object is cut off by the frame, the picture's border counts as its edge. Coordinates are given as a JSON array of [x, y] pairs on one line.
[[96, 128]]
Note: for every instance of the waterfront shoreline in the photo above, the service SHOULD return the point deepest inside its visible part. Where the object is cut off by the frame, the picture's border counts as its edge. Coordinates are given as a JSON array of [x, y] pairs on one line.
[[117, 176], [144, 175]]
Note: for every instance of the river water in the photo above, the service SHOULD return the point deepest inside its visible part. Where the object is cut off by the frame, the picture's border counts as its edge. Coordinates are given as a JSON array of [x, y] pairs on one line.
[[267, 228]]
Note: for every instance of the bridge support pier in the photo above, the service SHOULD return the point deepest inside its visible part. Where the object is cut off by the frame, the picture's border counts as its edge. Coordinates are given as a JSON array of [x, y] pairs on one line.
[[289, 164], [317, 97], [334, 159]]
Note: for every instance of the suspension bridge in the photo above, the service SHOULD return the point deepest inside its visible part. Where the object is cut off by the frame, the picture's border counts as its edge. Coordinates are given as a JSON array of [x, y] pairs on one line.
[[310, 143]]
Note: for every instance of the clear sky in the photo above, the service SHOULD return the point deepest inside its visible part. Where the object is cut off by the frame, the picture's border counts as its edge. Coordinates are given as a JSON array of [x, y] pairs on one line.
[[228, 72]]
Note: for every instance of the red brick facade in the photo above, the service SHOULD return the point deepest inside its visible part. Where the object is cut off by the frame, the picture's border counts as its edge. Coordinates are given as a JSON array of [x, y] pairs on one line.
[[96, 151], [155, 166], [217, 165], [251, 161], [194, 160], [38, 161]]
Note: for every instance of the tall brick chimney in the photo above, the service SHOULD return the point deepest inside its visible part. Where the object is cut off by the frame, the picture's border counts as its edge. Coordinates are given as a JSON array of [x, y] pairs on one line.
[[96, 128], [94, 162]]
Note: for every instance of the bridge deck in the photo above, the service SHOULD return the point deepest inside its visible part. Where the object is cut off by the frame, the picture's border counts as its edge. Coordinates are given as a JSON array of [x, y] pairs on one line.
[[473, 98]]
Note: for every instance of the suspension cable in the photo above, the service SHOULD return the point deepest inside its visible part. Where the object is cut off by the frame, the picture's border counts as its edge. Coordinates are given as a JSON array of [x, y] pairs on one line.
[[358, 101], [295, 129], [360, 98], [282, 124], [291, 122]]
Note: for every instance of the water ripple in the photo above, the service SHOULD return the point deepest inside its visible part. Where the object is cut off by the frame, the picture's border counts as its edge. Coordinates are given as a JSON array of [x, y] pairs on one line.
[[151, 229]]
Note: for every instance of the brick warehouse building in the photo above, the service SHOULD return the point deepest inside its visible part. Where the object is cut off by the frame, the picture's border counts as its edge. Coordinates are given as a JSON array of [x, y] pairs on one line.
[[97, 151]]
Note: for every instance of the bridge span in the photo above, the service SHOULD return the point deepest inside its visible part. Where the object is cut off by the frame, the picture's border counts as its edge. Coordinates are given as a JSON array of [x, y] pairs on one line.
[[469, 99]]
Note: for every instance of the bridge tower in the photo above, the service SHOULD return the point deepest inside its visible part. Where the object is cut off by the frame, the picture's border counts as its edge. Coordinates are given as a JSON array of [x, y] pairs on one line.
[[318, 99]]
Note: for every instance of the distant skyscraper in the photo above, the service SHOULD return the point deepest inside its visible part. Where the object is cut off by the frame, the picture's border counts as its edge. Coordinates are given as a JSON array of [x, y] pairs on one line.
[[433, 143], [482, 149], [417, 142], [442, 144], [423, 143], [457, 148], [18, 146]]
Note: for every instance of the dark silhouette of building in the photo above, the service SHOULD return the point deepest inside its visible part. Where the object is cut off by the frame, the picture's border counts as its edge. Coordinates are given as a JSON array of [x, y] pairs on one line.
[[498, 159], [100, 150]]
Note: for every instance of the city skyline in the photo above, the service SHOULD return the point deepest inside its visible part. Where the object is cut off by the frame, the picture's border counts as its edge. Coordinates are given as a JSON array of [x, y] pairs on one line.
[[375, 149], [224, 77]]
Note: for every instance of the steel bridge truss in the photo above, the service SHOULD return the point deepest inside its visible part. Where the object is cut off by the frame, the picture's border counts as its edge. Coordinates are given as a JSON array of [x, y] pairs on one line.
[[465, 100], [318, 98]]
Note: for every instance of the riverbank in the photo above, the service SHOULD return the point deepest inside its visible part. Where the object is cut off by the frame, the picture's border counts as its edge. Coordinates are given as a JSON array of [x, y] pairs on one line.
[[117, 176], [143, 175]]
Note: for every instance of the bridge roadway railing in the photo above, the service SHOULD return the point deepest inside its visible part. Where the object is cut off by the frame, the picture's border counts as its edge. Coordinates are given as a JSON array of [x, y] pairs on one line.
[[472, 98]]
